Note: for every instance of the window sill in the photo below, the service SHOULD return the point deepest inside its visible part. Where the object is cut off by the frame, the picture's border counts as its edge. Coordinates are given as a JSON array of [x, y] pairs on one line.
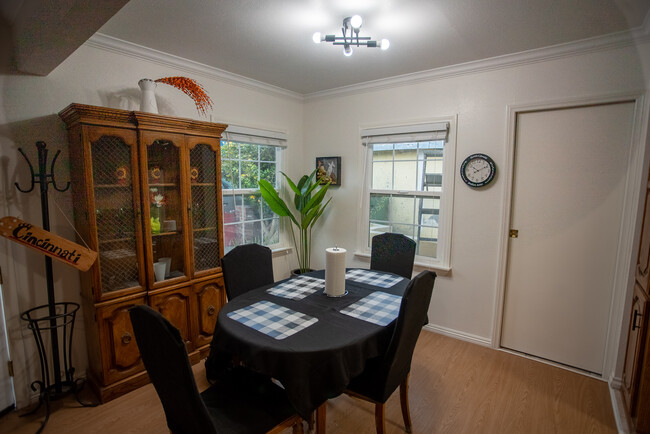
[[439, 268], [281, 251]]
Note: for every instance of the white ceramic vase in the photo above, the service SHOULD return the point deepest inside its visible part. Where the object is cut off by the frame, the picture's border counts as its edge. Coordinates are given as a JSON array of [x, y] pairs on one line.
[[148, 97]]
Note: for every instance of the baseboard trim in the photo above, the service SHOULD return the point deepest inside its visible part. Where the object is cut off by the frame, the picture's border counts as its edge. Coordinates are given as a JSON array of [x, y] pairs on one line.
[[623, 423], [474, 339]]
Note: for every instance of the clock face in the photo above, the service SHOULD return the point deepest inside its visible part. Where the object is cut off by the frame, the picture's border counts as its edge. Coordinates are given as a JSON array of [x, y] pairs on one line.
[[477, 170]]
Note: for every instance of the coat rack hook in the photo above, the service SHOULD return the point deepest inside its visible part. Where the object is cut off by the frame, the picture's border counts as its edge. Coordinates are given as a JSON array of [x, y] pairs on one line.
[[31, 171]]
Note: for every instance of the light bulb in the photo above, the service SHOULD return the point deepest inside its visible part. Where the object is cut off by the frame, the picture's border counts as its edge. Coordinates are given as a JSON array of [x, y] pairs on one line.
[[356, 21], [316, 38], [385, 43], [347, 51]]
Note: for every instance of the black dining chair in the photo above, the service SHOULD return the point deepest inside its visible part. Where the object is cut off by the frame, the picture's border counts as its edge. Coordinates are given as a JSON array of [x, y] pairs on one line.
[[240, 401], [246, 267], [383, 374], [394, 253]]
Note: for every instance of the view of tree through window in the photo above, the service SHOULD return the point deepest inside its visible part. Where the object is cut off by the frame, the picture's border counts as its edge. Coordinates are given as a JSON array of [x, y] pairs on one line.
[[247, 218], [405, 191]]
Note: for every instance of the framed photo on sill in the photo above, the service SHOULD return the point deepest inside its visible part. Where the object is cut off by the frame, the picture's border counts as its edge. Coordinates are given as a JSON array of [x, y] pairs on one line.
[[328, 169]]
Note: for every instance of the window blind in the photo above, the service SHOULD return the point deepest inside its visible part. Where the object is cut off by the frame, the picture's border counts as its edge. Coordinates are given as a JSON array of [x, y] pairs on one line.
[[253, 135], [406, 133]]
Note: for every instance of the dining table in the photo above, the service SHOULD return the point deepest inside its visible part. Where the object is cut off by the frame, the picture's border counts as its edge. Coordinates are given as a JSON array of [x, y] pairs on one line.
[[310, 342]]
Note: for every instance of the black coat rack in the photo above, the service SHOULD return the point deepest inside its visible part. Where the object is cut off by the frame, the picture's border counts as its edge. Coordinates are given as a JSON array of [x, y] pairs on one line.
[[59, 320]]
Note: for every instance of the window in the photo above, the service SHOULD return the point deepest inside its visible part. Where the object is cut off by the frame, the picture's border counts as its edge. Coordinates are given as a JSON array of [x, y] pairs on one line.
[[245, 159], [409, 171]]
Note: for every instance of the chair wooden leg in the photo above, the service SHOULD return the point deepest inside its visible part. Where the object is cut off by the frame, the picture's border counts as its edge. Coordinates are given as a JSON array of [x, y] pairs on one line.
[[321, 415], [404, 400], [311, 423], [380, 418], [298, 428]]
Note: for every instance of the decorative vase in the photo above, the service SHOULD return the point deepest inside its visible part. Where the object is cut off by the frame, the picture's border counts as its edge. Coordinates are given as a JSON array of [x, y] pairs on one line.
[[148, 97]]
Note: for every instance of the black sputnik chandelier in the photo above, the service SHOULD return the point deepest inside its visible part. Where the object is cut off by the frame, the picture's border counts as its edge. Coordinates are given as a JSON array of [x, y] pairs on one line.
[[351, 38]]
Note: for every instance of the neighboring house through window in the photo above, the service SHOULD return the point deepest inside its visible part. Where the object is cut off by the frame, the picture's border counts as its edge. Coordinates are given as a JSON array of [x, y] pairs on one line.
[[248, 155], [409, 180]]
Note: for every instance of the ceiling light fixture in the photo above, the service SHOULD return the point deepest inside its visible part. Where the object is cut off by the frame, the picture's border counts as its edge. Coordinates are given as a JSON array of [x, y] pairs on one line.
[[350, 38]]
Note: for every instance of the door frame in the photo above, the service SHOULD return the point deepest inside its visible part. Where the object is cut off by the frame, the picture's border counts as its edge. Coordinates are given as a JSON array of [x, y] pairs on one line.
[[637, 166]]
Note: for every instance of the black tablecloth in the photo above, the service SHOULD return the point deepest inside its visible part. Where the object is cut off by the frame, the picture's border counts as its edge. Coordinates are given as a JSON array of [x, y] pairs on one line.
[[314, 364]]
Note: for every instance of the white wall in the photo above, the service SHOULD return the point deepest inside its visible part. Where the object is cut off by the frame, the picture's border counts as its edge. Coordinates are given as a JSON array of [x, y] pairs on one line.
[[464, 300], [28, 112]]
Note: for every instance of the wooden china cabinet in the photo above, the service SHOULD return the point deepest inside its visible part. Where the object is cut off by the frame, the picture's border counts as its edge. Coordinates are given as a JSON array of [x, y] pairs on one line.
[[147, 198], [636, 373]]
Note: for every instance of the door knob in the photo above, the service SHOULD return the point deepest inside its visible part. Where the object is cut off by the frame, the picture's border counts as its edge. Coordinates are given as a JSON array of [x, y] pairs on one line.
[[514, 233]]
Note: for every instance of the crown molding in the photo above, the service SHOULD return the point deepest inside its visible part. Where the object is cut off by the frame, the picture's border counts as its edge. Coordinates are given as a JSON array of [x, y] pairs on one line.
[[634, 36], [601, 43], [115, 45]]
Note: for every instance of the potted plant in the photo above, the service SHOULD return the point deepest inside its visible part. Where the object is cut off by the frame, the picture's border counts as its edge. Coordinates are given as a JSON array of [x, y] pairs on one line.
[[309, 208]]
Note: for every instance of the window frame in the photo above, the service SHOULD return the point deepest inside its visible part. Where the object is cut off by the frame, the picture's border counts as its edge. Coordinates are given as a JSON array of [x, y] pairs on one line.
[[443, 260]]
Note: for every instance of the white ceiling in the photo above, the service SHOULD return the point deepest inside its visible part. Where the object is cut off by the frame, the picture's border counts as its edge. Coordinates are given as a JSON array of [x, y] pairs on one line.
[[271, 40]]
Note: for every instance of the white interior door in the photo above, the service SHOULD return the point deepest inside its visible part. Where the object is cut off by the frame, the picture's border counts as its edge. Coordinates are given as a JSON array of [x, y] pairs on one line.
[[570, 168]]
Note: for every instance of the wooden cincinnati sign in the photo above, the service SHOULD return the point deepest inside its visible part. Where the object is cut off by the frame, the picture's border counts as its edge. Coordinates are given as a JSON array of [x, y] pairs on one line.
[[47, 243]]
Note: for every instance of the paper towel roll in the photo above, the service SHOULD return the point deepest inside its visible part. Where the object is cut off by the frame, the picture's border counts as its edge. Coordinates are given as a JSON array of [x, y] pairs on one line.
[[335, 271]]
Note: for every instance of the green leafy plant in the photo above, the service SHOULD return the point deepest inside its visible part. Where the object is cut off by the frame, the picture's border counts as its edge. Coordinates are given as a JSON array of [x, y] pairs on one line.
[[309, 207]]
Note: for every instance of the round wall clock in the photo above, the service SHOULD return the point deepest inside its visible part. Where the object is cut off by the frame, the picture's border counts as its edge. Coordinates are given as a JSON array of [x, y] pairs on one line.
[[477, 170]]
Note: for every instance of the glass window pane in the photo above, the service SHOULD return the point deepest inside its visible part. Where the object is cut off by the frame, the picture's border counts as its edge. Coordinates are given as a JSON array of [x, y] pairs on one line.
[[271, 231], [229, 174], [252, 207], [382, 152], [408, 230], [406, 175], [379, 206], [382, 175], [229, 150], [239, 208], [406, 151], [402, 209], [248, 151], [249, 174], [253, 232], [268, 171], [268, 153], [232, 236]]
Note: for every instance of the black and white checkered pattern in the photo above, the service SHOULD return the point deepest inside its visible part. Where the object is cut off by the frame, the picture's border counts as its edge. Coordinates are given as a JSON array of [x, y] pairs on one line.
[[298, 287], [378, 308], [272, 319], [374, 278]]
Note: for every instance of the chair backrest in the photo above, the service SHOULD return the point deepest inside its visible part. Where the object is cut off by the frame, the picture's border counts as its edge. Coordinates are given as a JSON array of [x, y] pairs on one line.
[[396, 363], [394, 253], [246, 267], [165, 358]]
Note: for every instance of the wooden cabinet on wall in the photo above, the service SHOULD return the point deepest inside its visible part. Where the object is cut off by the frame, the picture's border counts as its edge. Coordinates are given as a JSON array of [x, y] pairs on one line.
[[636, 373], [147, 198]]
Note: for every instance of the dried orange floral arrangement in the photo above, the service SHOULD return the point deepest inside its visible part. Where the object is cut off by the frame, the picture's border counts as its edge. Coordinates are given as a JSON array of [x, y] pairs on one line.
[[191, 88]]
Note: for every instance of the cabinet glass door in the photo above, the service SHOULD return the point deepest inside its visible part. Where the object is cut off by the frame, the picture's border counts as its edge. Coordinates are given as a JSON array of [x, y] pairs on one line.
[[165, 209], [205, 205], [113, 184]]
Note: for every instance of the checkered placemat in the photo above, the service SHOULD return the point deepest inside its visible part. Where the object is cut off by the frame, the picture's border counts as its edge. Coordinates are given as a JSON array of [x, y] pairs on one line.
[[298, 287], [378, 308], [272, 319], [375, 278]]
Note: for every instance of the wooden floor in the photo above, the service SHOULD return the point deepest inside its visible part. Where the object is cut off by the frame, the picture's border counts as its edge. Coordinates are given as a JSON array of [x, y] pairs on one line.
[[456, 387]]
